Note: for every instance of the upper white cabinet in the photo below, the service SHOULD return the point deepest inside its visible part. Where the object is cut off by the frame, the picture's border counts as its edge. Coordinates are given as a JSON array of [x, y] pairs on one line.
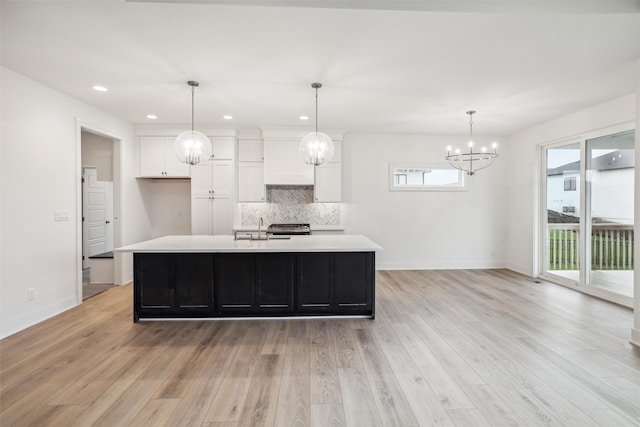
[[337, 152], [328, 183], [328, 179], [158, 158], [251, 182], [283, 165], [250, 150], [221, 147]]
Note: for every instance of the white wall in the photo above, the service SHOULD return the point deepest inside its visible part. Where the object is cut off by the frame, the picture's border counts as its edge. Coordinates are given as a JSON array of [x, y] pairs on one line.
[[40, 169], [523, 173], [423, 229]]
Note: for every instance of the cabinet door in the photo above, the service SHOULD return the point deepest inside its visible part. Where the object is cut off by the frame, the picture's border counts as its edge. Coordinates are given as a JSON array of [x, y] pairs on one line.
[[152, 156], [201, 215], [221, 147], [251, 182], [315, 283], [337, 152], [250, 150], [328, 185], [201, 179], [353, 281], [221, 178], [283, 165], [221, 221], [154, 278], [173, 167], [194, 278], [275, 282], [234, 279]]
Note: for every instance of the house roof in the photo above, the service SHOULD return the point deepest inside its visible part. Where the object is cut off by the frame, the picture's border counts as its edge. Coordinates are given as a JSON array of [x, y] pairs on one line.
[[619, 159]]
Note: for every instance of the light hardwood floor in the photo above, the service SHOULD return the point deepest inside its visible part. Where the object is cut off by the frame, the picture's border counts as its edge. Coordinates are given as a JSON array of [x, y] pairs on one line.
[[463, 348]]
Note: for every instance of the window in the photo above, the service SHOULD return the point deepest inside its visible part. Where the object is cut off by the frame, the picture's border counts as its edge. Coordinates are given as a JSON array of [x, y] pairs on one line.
[[405, 177], [570, 184]]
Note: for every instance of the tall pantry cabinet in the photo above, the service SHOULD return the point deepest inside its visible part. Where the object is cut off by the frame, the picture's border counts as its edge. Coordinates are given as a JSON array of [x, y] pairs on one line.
[[212, 190]]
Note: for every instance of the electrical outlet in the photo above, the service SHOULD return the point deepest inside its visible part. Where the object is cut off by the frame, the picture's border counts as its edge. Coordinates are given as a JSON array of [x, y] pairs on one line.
[[31, 294]]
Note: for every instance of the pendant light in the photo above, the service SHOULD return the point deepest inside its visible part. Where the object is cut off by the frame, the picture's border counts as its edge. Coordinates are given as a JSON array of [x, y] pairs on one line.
[[472, 161], [316, 147], [192, 146]]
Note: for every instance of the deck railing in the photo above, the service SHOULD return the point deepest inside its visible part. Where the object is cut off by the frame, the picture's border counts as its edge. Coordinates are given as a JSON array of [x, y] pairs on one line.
[[611, 247]]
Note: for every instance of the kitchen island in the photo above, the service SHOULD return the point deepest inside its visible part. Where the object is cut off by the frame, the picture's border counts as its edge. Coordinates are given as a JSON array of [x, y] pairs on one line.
[[217, 276]]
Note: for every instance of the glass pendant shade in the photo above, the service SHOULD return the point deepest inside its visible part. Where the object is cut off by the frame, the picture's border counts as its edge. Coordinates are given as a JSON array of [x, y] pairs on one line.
[[192, 147], [316, 148]]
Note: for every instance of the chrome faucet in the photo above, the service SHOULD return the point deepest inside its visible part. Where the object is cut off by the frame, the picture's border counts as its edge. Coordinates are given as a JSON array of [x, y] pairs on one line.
[[260, 224]]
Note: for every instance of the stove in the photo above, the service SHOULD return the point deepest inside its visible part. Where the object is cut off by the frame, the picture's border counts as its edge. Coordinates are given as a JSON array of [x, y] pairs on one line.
[[289, 229]]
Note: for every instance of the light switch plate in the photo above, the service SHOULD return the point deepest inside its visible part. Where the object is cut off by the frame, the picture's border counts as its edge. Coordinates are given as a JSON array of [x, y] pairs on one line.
[[62, 215]]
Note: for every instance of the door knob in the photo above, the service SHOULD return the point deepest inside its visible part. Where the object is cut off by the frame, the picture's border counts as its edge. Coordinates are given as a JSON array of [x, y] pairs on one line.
[[107, 222]]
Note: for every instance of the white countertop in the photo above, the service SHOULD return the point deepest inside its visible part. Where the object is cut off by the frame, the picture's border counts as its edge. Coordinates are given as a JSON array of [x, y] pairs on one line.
[[312, 243]]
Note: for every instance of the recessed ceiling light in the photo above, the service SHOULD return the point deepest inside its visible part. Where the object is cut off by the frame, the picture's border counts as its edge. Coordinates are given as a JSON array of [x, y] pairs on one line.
[[304, 117], [99, 88], [152, 116], [227, 117]]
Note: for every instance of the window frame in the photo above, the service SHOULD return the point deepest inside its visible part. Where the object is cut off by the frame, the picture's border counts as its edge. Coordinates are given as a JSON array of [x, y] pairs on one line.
[[460, 186]]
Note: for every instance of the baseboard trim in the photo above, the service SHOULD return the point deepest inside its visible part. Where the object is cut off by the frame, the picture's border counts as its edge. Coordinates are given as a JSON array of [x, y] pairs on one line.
[[439, 265], [18, 324], [635, 337]]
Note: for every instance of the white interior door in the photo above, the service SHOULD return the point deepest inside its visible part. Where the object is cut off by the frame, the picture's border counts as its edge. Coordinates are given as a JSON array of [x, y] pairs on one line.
[[96, 220]]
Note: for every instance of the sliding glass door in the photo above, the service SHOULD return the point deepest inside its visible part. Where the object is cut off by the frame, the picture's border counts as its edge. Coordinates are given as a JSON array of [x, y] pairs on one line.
[[587, 219]]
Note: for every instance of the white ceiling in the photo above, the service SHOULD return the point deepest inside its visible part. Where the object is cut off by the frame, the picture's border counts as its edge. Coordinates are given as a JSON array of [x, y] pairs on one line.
[[416, 69]]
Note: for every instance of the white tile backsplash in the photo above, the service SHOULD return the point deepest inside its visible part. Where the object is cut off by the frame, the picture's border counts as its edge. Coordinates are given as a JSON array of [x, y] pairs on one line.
[[290, 204]]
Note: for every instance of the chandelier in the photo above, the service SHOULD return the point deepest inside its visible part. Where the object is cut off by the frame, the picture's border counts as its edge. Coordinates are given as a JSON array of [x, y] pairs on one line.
[[192, 146], [472, 161], [316, 147]]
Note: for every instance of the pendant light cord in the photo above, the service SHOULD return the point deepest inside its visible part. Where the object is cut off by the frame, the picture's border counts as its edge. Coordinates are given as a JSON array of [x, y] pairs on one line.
[[316, 110], [193, 89]]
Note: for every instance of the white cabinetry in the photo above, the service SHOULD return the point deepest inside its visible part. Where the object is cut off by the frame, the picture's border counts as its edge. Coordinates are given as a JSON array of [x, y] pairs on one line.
[[211, 197], [251, 170], [251, 182], [221, 147], [328, 185], [158, 158], [328, 178], [250, 150], [283, 165]]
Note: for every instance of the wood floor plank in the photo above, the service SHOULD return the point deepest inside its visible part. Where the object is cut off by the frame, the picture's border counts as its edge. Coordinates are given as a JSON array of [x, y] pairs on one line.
[[325, 385], [468, 417], [359, 405], [482, 347], [441, 382], [393, 406], [155, 413], [343, 340], [259, 408], [293, 407], [425, 404], [327, 415]]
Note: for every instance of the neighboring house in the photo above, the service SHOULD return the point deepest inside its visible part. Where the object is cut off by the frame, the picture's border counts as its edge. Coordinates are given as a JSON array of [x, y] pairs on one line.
[[611, 176]]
